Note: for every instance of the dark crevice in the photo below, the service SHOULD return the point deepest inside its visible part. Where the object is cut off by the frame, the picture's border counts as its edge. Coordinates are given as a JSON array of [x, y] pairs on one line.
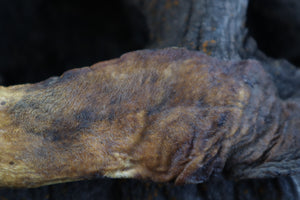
[[188, 19], [40, 39], [275, 25]]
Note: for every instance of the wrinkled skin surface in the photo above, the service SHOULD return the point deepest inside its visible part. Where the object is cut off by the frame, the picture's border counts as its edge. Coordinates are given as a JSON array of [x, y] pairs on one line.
[[164, 115]]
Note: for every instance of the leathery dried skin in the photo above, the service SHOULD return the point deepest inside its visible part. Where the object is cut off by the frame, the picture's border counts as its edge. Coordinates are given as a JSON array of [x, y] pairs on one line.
[[165, 115]]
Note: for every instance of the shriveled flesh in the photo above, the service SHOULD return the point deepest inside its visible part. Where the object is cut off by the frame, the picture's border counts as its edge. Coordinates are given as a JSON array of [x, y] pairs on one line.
[[164, 115]]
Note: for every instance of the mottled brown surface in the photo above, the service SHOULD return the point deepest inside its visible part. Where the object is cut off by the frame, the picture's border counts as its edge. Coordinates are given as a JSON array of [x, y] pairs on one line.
[[164, 115]]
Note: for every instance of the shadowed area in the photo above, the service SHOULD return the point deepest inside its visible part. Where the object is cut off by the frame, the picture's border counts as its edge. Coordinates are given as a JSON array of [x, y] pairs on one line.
[[275, 25], [40, 39]]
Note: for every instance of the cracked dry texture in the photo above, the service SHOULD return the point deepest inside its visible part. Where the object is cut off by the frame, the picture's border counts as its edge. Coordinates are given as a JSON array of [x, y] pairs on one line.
[[165, 115]]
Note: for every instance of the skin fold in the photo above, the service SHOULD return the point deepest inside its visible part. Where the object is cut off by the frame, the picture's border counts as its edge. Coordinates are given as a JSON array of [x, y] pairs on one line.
[[164, 115]]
